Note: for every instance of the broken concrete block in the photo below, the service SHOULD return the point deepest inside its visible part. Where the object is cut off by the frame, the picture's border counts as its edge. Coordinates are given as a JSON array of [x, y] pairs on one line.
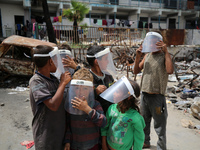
[[195, 108]]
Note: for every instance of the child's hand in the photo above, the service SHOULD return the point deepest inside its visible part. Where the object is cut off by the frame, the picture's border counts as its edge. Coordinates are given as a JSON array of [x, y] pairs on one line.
[[67, 146], [69, 62], [81, 104], [161, 45], [65, 78], [100, 89]]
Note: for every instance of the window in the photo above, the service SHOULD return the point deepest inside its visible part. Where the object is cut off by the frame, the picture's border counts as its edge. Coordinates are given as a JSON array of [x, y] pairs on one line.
[[96, 16], [156, 19]]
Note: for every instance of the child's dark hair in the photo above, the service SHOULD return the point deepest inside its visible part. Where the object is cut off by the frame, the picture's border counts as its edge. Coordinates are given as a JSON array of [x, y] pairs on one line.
[[130, 102], [65, 46], [92, 50], [41, 49]]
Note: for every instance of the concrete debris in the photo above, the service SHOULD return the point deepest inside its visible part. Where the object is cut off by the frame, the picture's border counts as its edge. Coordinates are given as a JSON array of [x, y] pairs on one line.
[[186, 94]]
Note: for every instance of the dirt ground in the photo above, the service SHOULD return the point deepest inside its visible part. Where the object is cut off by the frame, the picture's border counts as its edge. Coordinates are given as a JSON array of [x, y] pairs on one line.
[[16, 117]]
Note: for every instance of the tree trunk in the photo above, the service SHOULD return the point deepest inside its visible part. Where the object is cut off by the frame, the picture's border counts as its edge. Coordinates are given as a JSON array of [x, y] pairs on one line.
[[75, 31], [51, 34]]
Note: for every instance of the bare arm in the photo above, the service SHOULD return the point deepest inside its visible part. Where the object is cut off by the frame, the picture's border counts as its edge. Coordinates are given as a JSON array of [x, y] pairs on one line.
[[54, 103], [104, 143], [138, 66], [168, 60]]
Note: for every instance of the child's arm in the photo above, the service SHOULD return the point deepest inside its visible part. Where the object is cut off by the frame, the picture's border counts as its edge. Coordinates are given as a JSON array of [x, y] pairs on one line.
[[138, 133], [67, 146], [105, 130], [104, 143], [95, 114], [54, 102]]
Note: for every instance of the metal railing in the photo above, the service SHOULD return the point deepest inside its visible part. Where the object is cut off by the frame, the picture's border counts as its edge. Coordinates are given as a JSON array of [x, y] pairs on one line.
[[171, 4], [91, 35]]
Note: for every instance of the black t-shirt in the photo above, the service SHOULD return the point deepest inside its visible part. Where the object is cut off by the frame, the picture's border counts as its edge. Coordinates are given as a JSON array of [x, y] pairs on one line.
[[107, 81]]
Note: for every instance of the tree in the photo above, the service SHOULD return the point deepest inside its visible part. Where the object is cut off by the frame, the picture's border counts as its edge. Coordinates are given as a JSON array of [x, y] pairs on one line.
[[51, 34], [76, 14]]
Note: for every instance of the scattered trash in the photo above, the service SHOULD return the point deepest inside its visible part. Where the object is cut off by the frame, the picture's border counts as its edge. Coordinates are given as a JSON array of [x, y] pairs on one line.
[[185, 104], [197, 127], [171, 95], [20, 89], [28, 144], [173, 100], [172, 78], [168, 102]]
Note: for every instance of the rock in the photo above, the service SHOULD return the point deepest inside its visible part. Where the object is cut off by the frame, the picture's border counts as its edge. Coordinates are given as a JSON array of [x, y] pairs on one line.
[[27, 99], [195, 108], [187, 123], [2, 104]]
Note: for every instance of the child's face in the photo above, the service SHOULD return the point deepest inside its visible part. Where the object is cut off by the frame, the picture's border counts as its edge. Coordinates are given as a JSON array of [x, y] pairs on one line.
[[81, 91], [153, 43], [118, 95], [53, 66]]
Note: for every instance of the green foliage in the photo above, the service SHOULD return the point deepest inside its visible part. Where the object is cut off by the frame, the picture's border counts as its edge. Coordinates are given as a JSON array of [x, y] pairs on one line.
[[76, 12], [85, 28]]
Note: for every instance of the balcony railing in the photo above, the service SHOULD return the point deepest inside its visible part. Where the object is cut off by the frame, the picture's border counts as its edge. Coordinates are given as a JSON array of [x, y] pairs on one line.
[[167, 4]]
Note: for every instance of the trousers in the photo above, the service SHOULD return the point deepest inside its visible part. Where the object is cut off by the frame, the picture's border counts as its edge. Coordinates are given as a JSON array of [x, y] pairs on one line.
[[154, 106]]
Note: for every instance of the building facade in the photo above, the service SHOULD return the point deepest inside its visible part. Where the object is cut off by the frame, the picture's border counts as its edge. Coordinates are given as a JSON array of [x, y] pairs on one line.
[[15, 15]]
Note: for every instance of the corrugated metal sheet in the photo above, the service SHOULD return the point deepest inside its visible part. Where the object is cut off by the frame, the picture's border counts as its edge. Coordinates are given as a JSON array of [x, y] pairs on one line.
[[26, 42], [174, 36]]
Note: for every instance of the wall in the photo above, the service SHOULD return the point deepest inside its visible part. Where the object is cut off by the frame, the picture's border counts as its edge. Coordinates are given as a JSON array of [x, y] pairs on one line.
[[181, 23], [8, 11], [192, 37]]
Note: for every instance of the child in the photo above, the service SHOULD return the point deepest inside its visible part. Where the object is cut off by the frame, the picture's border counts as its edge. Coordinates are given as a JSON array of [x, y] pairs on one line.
[[46, 98], [156, 65], [125, 125], [86, 114], [101, 78]]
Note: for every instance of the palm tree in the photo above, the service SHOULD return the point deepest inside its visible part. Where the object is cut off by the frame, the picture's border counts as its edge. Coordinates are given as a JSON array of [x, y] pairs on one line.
[[76, 14]]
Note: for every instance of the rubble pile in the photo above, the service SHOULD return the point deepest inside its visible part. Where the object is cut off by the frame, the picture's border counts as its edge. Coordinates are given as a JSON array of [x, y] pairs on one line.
[[186, 94]]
